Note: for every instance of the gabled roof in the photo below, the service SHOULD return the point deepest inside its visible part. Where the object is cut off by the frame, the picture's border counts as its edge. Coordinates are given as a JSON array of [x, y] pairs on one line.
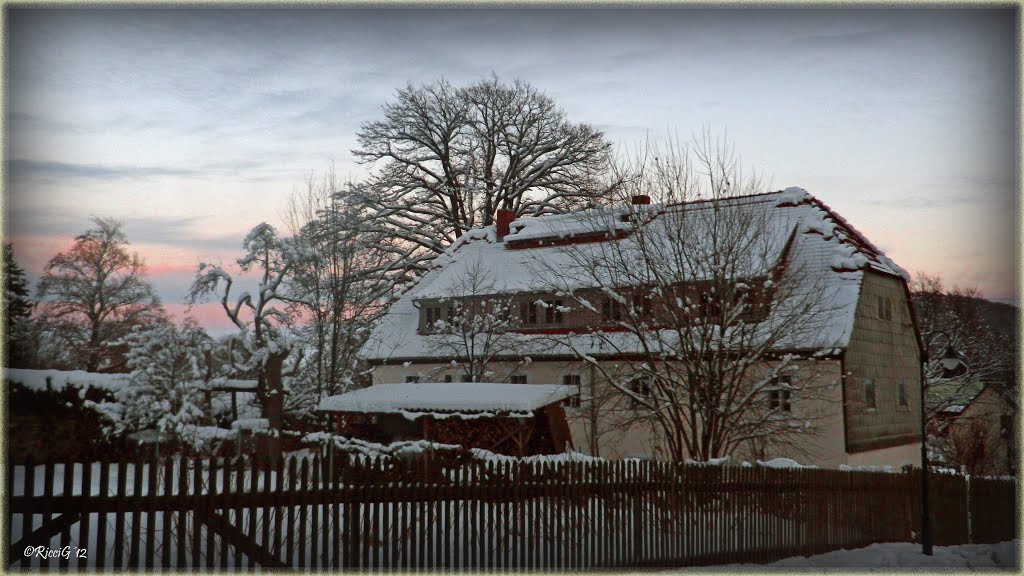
[[819, 241]]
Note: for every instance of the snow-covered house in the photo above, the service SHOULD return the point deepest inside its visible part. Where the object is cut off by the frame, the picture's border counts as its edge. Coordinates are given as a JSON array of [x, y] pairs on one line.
[[981, 435], [866, 357]]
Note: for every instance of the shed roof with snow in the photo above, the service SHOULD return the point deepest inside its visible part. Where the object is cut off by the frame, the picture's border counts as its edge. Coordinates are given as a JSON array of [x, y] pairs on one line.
[[472, 397], [798, 226]]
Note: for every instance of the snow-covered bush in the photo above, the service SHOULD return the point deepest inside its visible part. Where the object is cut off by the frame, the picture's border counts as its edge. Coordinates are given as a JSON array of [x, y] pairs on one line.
[[165, 392]]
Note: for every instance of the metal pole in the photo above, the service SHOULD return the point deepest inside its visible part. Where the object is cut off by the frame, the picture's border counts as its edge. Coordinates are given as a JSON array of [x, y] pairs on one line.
[[926, 517]]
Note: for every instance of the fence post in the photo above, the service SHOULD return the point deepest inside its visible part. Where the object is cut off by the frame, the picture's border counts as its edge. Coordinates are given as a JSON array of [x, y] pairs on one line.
[[638, 511], [967, 497]]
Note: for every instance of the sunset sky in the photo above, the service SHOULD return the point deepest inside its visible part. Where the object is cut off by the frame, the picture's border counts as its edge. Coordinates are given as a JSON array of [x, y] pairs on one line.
[[192, 126]]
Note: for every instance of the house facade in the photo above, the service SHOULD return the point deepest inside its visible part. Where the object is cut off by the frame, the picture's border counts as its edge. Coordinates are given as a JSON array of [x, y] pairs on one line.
[[533, 305], [982, 435]]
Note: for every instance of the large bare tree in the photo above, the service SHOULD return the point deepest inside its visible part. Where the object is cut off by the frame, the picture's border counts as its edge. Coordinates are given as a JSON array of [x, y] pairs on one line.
[[94, 293], [693, 309], [446, 158]]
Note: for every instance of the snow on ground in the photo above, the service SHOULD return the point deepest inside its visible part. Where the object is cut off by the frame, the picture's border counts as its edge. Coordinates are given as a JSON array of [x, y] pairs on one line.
[[882, 557]]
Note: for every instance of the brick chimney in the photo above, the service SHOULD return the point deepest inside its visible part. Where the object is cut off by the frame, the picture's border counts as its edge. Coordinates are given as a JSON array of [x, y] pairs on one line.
[[641, 200], [502, 220]]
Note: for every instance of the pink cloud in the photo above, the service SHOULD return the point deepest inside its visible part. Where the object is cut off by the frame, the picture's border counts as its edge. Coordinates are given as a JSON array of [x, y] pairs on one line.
[[169, 269], [209, 315]]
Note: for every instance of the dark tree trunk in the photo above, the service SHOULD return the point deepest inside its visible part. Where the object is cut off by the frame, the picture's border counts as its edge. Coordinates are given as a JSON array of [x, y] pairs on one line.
[[272, 402]]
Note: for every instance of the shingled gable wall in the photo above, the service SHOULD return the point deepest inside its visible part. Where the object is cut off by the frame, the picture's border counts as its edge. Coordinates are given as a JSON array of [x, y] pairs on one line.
[[884, 351]]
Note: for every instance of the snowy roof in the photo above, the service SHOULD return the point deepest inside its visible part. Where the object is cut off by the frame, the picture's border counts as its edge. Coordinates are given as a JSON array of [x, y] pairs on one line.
[[567, 225], [448, 396], [821, 244], [59, 379], [228, 384]]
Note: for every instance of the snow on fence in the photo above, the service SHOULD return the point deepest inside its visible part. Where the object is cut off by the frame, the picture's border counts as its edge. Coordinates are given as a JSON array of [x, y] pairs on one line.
[[334, 512]]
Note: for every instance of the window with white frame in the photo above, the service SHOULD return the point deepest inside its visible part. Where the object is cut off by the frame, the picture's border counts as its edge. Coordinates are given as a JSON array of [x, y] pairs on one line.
[[574, 400], [640, 386], [780, 393]]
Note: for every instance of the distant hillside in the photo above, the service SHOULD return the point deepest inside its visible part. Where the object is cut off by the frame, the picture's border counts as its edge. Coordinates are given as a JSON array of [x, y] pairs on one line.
[[1001, 317]]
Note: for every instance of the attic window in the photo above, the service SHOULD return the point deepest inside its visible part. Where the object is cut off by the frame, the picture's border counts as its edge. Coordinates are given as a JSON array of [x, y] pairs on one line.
[[527, 313], [431, 314], [710, 307], [642, 304], [869, 392], [611, 309], [553, 312], [884, 308]]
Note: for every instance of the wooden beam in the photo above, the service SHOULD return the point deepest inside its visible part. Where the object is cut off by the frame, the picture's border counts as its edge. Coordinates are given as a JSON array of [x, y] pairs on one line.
[[41, 536], [242, 542]]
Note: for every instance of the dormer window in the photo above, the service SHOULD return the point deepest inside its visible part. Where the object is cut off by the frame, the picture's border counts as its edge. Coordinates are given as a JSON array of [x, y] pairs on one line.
[[642, 304], [431, 315], [553, 312], [611, 309], [527, 313], [710, 307]]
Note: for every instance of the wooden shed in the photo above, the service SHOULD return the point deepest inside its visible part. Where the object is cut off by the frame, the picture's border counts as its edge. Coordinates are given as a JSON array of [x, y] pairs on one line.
[[512, 419]]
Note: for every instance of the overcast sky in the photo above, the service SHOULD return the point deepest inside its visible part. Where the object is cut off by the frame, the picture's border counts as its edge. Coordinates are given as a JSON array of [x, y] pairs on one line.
[[192, 126]]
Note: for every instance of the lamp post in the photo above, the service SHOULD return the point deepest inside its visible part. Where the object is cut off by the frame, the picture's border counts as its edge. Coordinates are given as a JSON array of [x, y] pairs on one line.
[[950, 361]]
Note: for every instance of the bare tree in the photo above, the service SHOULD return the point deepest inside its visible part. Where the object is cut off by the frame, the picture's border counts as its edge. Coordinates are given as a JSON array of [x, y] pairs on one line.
[[343, 290], [96, 291], [957, 317], [448, 158], [264, 339], [474, 327], [698, 314]]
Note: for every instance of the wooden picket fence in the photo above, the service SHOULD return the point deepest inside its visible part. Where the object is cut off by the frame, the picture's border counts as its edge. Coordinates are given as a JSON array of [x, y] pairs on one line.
[[338, 512]]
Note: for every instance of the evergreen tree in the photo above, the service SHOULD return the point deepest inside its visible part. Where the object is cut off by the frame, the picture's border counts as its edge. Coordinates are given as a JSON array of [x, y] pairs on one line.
[[17, 309]]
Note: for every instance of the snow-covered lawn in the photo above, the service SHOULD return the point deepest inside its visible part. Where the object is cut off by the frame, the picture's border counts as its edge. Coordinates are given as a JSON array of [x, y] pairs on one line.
[[882, 557]]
